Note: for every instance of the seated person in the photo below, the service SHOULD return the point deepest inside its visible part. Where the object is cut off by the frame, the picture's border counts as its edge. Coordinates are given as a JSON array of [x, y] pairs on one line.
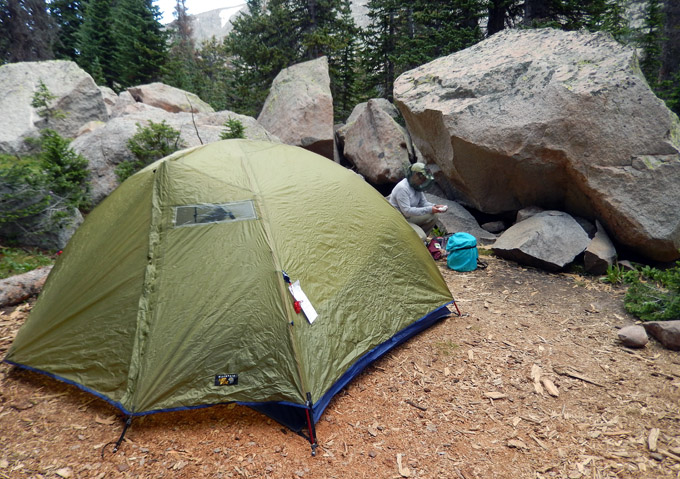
[[408, 197]]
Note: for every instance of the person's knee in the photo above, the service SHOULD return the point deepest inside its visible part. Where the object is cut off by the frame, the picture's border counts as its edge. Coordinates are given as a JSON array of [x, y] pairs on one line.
[[419, 231]]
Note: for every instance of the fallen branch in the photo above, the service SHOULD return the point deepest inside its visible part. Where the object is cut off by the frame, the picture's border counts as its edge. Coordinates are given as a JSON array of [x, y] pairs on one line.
[[411, 403], [571, 374], [669, 455], [19, 288]]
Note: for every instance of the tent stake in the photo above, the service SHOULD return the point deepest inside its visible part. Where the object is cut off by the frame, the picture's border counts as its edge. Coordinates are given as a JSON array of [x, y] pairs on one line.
[[310, 425], [128, 421], [122, 435]]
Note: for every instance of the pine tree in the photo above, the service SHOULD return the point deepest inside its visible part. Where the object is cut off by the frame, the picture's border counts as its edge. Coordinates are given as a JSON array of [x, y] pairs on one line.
[[651, 42], [180, 67], [5, 41], [404, 34], [593, 15], [68, 15], [502, 14], [266, 40], [614, 20], [440, 29], [212, 81], [121, 42], [670, 50], [344, 66], [668, 85], [27, 31], [378, 56], [256, 57], [540, 12], [96, 42], [140, 42]]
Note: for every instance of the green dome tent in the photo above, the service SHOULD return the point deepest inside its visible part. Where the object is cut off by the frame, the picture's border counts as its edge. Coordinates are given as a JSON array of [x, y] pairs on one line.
[[239, 271]]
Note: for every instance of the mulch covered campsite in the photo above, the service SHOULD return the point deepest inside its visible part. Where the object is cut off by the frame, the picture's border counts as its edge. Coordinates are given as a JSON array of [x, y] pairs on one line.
[[530, 382]]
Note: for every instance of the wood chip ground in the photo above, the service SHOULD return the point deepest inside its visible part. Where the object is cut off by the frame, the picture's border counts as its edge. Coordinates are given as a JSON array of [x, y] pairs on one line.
[[530, 382]]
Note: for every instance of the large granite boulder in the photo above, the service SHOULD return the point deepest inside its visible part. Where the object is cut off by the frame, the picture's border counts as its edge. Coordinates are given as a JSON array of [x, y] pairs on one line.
[[76, 96], [106, 146], [549, 240], [299, 107], [375, 143], [561, 120], [169, 98], [43, 230]]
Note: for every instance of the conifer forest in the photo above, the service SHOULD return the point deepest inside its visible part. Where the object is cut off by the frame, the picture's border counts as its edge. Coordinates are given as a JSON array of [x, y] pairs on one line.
[[122, 43]]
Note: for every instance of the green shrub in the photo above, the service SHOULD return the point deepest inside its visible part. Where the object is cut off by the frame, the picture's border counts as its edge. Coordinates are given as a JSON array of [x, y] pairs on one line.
[[614, 274], [149, 144], [653, 294], [38, 192], [41, 100], [24, 192], [233, 128], [19, 260], [66, 170]]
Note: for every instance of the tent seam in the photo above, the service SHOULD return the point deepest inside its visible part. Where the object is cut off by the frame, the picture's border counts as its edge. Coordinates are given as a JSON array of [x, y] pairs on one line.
[[255, 188], [150, 277]]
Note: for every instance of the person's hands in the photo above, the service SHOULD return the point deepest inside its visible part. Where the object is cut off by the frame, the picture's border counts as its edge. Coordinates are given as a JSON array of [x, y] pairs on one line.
[[439, 208]]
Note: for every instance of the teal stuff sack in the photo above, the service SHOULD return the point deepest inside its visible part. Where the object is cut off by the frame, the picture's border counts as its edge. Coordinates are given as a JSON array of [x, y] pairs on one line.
[[462, 249]]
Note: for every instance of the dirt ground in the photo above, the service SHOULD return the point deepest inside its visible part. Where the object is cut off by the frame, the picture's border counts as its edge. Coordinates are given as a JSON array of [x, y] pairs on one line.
[[530, 382]]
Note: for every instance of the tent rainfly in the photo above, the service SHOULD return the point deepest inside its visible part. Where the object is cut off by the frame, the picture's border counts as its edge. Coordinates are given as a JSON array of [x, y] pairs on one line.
[[238, 271]]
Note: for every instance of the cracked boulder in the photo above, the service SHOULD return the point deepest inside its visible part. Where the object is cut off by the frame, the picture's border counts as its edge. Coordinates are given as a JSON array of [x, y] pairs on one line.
[[559, 120], [549, 240], [375, 143], [299, 107]]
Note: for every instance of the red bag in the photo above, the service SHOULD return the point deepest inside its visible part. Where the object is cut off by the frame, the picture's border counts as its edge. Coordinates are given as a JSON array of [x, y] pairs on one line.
[[436, 247]]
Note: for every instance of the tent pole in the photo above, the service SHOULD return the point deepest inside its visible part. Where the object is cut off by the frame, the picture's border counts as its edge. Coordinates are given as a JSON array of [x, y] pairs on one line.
[[310, 425]]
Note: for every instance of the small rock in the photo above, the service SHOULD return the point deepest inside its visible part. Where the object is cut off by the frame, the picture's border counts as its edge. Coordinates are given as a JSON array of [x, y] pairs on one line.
[[21, 405], [517, 444], [633, 336], [64, 472], [627, 265], [494, 226], [527, 212]]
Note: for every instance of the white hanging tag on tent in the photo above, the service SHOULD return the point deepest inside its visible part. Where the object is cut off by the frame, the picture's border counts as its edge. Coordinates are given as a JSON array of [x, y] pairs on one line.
[[303, 301]]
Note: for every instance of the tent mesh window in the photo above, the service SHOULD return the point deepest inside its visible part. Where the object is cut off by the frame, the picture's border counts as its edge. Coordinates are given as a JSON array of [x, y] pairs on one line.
[[188, 215]]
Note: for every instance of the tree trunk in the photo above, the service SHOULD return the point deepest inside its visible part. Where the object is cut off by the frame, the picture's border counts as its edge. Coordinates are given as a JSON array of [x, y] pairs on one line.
[[670, 50], [496, 21], [15, 289], [537, 11]]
